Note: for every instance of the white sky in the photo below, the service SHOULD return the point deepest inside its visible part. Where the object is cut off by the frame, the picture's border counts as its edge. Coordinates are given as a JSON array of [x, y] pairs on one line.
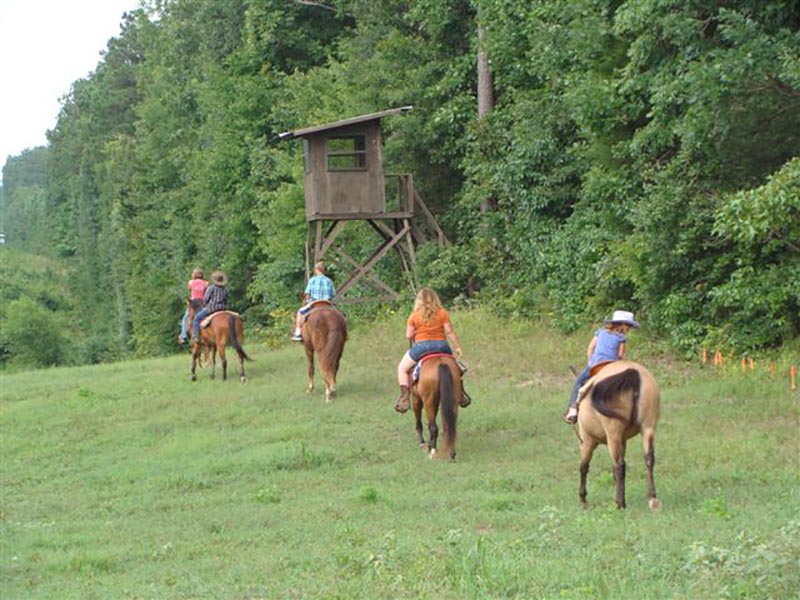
[[45, 45]]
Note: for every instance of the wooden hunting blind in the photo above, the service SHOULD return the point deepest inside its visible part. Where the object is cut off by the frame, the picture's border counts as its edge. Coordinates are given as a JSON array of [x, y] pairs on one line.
[[344, 182]]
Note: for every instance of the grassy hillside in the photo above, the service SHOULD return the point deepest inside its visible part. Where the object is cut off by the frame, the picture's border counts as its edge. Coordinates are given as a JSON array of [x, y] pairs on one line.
[[129, 481]]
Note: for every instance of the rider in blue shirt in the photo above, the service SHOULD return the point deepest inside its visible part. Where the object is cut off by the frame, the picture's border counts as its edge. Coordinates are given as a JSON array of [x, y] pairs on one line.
[[319, 287], [607, 345]]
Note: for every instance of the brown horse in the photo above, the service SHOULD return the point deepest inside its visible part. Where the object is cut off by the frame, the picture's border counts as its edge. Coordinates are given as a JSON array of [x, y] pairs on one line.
[[621, 401], [224, 327], [438, 386], [324, 332]]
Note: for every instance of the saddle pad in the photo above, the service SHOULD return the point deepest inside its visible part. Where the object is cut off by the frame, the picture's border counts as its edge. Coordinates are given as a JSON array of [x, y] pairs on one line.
[[415, 372], [207, 321]]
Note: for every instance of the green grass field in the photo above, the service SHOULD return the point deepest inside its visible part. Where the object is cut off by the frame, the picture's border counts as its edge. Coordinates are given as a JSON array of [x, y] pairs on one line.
[[129, 481]]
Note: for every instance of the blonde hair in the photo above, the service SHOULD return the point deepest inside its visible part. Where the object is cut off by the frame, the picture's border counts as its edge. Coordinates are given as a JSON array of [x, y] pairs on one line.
[[319, 266], [197, 273], [427, 304]]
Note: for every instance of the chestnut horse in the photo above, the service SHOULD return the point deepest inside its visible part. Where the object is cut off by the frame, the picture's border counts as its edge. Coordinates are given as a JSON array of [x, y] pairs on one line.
[[621, 401], [324, 332], [224, 326], [438, 386]]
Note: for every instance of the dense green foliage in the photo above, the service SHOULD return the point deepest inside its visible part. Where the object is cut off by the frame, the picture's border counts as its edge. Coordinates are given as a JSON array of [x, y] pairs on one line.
[[129, 481], [639, 155]]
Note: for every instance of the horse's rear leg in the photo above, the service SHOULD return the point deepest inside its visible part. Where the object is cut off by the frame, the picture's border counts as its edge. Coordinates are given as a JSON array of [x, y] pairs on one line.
[[310, 369], [330, 385], [223, 359], [417, 403], [616, 448], [213, 351], [431, 408], [649, 443], [587, 449]]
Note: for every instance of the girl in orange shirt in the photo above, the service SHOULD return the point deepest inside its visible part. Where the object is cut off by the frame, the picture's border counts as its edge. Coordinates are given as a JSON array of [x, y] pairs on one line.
[[428, 328]]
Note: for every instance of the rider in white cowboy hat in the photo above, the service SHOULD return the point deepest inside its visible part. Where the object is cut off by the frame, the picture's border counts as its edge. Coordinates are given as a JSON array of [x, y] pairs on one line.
[[214, 300], [607, 345]]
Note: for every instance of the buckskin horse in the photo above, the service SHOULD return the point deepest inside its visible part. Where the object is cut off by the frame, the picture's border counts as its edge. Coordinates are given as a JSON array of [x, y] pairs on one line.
[[223, 327], [438, 387], [324, 332], [619, 402]]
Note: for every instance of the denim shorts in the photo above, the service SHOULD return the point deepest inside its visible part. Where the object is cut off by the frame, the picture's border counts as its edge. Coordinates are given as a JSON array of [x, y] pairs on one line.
[[420, 349]]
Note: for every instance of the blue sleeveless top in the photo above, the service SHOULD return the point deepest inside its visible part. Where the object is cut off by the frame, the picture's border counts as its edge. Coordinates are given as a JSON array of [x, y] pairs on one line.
[[607, 348]]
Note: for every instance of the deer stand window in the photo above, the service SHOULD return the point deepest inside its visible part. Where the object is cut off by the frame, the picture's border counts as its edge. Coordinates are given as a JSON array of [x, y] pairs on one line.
[[345, 185]]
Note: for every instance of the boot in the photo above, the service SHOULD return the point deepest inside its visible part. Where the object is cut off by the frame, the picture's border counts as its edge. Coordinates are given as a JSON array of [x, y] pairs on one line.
[[465, 399], [402, 403]]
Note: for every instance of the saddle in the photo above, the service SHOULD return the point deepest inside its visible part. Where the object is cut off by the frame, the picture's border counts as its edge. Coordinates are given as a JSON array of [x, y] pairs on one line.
[[418, 366], [207, 321]]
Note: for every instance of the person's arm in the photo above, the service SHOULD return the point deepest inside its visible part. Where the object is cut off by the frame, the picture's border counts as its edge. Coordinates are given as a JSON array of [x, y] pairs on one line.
[[590, 349], [411, 332], [622, 350], [451, 334]]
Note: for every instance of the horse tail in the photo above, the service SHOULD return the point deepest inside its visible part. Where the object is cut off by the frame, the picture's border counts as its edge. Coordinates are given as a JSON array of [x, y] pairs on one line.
[[609, 389], [447, 402], [331, 354], [233, 321]]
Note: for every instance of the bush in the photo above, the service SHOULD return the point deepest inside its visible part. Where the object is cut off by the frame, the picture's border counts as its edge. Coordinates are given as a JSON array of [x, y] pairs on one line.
[[33, 335]]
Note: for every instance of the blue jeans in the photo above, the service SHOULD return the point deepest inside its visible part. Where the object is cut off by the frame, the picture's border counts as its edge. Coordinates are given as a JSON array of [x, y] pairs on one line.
[[201, 314], [185, 325], [582, 378], [420, 349]]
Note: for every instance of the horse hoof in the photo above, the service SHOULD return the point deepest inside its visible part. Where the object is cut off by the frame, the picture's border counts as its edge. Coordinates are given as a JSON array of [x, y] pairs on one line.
[[423, 446], [432, 453], [193, 377], [243, 379], [654, 504]]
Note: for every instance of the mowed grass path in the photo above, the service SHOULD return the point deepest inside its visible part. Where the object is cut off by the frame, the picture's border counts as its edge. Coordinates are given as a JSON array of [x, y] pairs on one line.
[[129, 481]]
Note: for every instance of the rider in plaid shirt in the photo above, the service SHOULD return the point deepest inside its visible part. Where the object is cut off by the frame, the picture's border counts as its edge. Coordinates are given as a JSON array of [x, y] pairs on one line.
[[214, 300], [319, 287]]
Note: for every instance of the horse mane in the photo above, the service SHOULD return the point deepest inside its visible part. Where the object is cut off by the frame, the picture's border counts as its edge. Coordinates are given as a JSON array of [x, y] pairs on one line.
[[609, 389]]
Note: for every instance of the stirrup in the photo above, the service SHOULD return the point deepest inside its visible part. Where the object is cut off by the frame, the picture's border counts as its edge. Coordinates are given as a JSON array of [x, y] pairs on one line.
[[465, 400]]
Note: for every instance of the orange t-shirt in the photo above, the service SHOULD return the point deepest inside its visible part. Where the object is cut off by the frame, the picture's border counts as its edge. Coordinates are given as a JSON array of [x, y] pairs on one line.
[[429, 330]]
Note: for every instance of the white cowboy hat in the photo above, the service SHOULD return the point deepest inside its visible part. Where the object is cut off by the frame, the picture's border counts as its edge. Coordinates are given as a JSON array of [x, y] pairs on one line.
[[623, 316]]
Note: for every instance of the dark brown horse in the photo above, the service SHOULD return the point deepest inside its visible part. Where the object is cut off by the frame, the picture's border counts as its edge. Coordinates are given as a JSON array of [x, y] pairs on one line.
[[224, 327], [621, 401], [324, 332], [438, 387]]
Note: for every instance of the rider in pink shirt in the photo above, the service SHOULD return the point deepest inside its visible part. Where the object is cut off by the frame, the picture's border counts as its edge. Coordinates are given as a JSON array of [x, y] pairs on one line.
[[197, 289]]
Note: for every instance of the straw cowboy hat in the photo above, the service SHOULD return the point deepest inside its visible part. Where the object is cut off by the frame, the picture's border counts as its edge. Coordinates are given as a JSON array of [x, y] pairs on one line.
[[219, 278], [622, 316]]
